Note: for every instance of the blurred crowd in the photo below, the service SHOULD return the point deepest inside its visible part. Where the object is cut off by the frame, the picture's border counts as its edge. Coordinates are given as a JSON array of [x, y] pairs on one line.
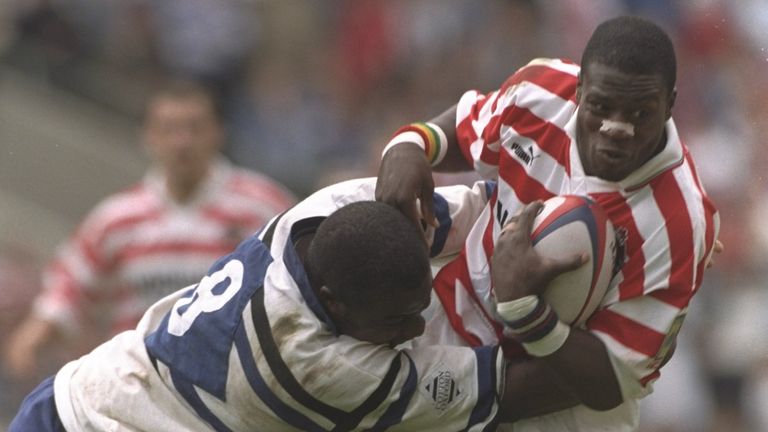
[[311, 91]]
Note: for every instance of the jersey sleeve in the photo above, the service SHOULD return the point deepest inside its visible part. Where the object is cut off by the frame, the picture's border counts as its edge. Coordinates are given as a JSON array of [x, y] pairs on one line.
[[74, 275], [477, 133], [432, 388], [455, 388], [345, 383], [640, 331], [482, 117], [456, 209]]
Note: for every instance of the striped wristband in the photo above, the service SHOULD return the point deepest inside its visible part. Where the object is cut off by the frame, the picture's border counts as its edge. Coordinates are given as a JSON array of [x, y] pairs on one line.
[[534, 323], [429, 136]]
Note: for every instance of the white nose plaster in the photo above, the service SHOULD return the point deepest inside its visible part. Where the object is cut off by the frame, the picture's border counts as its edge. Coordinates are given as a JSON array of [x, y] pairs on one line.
[[610, 125]]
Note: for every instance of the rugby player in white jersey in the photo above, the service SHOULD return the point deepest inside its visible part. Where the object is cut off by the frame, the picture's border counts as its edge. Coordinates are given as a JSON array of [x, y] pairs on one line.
[[142, 243], [602, 129], [303, 327]]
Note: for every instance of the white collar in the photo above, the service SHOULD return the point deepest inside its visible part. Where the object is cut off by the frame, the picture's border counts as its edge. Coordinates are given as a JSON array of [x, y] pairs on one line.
[[155, 181], [670, 156]]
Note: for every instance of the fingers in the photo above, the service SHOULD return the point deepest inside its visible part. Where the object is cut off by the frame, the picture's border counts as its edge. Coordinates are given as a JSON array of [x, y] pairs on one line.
[[406, 204], [411, 210], [528, 215], [719, 246], [509, 227], [428, 208], [524, 220], [405, 182], [568, 264]]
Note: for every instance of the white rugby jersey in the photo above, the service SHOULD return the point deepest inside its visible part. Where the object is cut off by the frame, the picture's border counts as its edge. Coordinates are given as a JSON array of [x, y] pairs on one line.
[[139, 245], [523, 135], [251, 348]]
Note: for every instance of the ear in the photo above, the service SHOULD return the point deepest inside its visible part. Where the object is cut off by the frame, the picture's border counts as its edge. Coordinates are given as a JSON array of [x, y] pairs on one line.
[[671, 102], [221, 135], [578, 87], [335, 307], [145, 139]]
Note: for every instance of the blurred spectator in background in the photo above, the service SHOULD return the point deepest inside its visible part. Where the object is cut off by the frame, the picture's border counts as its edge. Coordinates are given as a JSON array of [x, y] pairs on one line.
[[41, 27], [142, 243], [19, 283], [210, 41]]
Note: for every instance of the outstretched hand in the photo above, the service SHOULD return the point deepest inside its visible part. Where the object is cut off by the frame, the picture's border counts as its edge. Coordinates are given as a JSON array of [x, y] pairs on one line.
[[405, 176], [517, 270], [716, 249]]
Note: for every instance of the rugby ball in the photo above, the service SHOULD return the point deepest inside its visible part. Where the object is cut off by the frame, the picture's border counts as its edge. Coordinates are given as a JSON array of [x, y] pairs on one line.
[[568, 225]]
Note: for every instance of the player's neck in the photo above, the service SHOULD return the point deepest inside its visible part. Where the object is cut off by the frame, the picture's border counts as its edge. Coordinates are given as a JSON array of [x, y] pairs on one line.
[[182, 192], [301, 244]]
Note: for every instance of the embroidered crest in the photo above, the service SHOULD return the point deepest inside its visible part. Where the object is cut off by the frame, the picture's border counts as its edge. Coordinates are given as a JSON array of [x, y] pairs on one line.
[[620, 249], [442, 388]]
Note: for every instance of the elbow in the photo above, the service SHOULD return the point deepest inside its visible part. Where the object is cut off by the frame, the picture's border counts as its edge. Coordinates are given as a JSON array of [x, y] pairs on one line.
[[603, 404], [607, 399]]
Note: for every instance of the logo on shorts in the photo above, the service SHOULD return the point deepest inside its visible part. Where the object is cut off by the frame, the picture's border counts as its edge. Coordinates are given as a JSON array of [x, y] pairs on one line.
[[442, 388]]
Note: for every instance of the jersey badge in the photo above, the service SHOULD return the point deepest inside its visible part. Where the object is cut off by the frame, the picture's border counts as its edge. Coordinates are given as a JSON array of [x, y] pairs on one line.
[[619, 249], [442, 389]]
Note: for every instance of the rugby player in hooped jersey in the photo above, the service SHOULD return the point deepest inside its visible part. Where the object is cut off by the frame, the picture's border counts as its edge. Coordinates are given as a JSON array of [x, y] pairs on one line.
[[144, 242], [602, 129]]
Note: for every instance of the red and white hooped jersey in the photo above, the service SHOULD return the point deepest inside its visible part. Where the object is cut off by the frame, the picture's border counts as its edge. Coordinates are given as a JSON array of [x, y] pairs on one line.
[[139, 245], [523, 135]]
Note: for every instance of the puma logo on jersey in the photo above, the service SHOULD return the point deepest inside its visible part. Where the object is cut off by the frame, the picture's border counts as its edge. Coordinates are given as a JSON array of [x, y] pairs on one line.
[[525, 155], [501, 214]]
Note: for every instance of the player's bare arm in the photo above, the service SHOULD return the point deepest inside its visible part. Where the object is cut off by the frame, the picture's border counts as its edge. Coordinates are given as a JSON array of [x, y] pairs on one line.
[[405, 173], [21, 352], [579, 370]]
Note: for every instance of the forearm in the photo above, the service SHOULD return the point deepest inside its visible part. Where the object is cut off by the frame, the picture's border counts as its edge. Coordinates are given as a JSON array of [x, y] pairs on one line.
[[532, 389], [36, 331], [405, 173], [583, 365], [580, 372], [24, 345], [454, 160]]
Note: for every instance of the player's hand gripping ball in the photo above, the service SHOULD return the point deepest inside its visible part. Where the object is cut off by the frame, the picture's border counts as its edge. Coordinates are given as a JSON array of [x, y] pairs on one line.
[[568, 225]]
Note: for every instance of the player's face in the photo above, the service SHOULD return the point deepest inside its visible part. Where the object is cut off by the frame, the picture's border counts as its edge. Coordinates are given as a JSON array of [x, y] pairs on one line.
[[390, 319], [182, 135], [621, 118]]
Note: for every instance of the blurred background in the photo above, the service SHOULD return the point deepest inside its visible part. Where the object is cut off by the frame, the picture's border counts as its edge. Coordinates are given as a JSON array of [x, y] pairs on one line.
[[312, 90]]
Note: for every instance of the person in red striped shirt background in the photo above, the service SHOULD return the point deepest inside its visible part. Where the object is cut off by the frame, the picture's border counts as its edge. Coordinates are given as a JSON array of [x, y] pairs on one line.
[[603, 128], [144, 242]]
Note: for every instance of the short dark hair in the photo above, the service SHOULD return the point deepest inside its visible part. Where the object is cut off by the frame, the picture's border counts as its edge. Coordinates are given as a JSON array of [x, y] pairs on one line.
[[182, 88], [632, 45], [364, 248]]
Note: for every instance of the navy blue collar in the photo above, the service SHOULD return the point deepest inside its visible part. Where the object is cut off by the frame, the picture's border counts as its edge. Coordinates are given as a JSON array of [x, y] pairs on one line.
[[299, 274]]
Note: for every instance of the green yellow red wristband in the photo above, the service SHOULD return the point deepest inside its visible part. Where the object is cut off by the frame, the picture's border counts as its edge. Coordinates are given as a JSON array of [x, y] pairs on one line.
[[430, 137]]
